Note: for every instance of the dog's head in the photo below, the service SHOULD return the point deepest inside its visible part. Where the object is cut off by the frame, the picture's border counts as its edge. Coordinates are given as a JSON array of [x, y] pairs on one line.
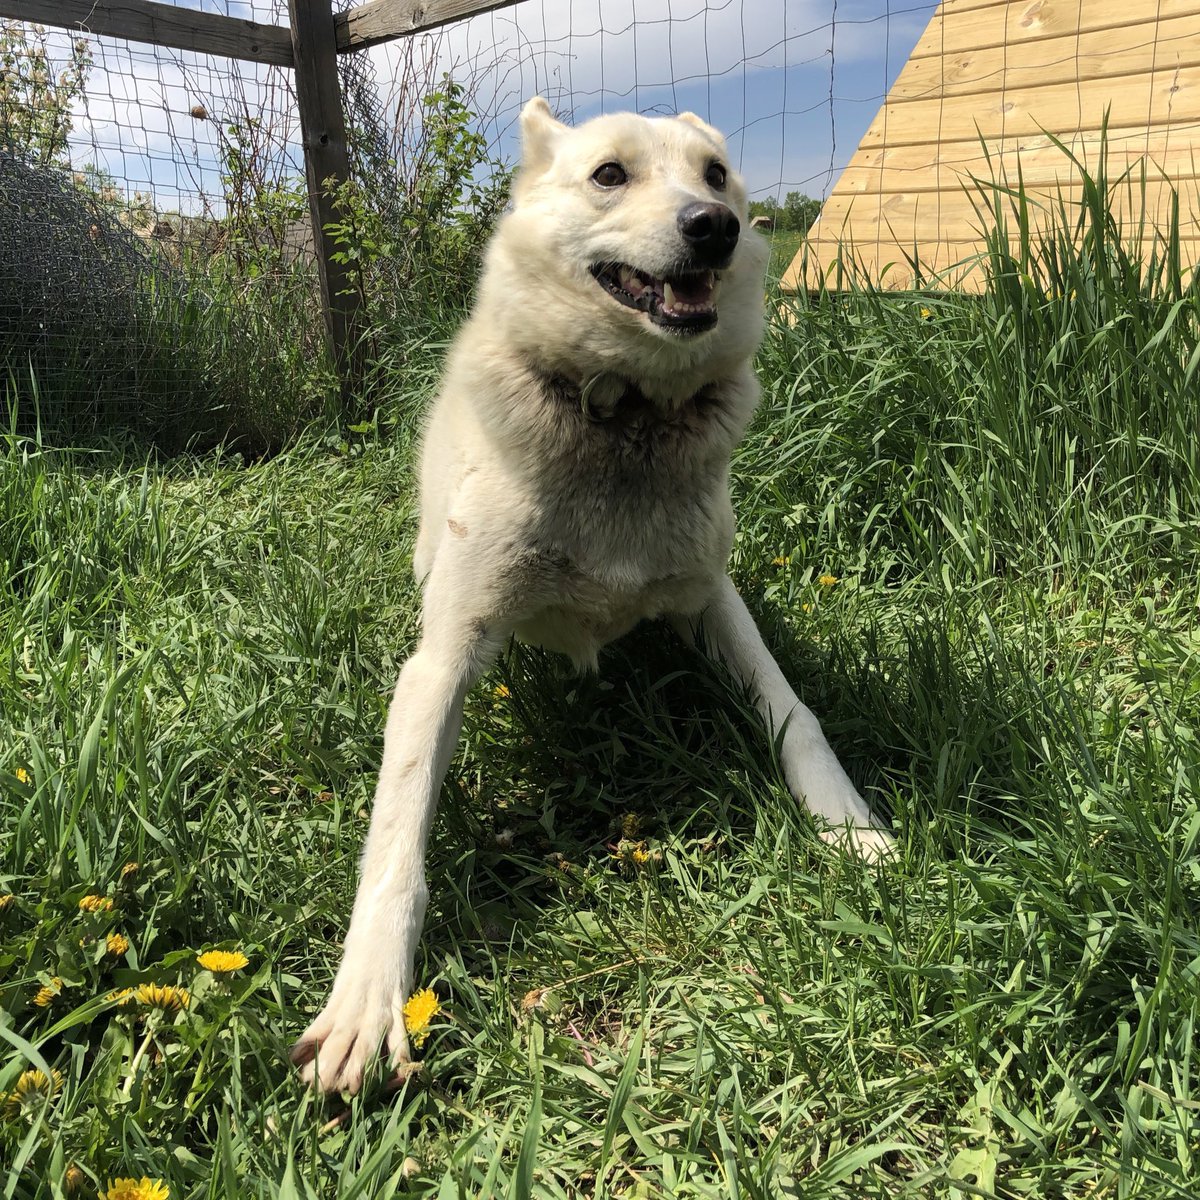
[[632, 230]]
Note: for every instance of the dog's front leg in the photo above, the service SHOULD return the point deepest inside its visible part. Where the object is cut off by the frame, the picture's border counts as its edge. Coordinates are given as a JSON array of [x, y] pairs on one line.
[[374, 980], [726, 631]]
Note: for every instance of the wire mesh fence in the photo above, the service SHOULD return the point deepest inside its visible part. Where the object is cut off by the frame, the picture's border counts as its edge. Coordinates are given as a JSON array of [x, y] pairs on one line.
[[138, 280], [156, 254]]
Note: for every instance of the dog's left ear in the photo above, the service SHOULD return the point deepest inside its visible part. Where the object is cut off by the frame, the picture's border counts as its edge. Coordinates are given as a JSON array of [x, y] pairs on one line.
[[540, 131], [703, 126]]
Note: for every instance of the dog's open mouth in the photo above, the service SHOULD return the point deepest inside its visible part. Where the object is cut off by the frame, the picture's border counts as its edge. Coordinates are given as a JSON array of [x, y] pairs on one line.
[[686, 303]]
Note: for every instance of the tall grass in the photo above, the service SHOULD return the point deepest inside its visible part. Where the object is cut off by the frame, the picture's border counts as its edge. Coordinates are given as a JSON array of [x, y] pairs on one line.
[[197, 659]]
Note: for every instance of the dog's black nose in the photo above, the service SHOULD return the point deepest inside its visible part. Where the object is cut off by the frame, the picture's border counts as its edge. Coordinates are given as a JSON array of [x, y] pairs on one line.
[[711, 230]]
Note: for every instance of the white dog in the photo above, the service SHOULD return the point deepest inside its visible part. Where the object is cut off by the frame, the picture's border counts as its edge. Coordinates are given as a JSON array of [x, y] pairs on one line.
[[574, 481]]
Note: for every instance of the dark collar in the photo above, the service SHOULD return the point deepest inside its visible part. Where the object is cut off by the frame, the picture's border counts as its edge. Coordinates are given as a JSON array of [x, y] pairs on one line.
[[607, 396]]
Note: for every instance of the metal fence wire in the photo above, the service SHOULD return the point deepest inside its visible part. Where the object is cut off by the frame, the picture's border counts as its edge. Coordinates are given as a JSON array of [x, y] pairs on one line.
[[130, 272], [157, 266], [71, 271]]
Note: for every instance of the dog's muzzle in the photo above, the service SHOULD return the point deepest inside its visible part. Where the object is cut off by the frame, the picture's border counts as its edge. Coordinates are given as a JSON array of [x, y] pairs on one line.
[[683, 303], [711, 233]]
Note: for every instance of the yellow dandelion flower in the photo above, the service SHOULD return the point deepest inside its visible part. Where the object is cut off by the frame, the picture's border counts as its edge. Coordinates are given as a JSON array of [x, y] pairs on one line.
[[781, 560], [635, 853], [121, 996], [6, 901], [73, 1179], [419, 1010], [220, 962], [828, 580], [501, 692], [130, 868], [137, 1189], [116, 944], [806, 608], [926, 313], [33, 1088], [94, 904], [46, 995], [22, 775], [166, 997]]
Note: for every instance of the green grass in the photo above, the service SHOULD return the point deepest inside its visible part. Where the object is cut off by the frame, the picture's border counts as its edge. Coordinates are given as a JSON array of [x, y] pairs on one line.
[[197, 656], [784, 246]]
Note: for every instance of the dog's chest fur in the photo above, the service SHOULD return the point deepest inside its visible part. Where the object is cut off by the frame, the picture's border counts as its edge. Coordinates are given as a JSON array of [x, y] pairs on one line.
[[631, 512]]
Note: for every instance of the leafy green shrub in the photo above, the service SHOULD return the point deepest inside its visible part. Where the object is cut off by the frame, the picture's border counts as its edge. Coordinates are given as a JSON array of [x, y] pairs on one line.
[[423, 245], [795, 215], [36, 93]]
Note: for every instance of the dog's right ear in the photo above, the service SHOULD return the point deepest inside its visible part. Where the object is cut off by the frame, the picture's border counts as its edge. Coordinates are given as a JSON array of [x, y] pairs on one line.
[[703, 126], [540, 132]]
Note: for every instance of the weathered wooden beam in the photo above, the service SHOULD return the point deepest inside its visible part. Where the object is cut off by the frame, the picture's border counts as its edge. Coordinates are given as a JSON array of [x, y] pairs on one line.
[[383, 20], [161, 25], [326, 161]]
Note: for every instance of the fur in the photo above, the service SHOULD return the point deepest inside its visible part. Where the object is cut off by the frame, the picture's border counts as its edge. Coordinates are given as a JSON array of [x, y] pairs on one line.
[[575, 481]]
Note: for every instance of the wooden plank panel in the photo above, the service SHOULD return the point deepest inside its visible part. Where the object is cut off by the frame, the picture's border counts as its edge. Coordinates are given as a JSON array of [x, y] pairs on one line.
[[955, 30], [1005, 72], [1168, 150], [383, 20], [1100, 54], [919, 218], [886, 264], [1149, 99], [161, 25], [948, 251]]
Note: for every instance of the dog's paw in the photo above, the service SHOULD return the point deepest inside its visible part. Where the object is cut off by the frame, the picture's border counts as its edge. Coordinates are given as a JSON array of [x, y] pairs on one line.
[[869, 843], [360, 1020]]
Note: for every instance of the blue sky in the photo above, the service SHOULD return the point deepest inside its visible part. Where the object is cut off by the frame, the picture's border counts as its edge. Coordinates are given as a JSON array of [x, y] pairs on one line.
[[793, 83]]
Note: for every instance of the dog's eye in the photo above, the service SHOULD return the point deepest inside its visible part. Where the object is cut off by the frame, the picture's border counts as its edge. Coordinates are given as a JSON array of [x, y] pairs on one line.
[[610, 175], [715, 177]]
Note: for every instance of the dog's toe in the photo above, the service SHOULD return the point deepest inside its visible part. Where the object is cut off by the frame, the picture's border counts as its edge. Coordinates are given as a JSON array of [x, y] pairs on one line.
[[870, 844], [303, 1052], [403, 1073], [336, 1064], [335, 1051]]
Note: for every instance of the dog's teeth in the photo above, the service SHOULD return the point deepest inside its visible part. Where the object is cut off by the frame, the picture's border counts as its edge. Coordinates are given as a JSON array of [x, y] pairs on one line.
[[668, 295]]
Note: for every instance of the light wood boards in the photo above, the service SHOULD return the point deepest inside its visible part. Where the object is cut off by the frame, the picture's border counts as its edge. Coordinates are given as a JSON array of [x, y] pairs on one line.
[[987, 91], [382, 20], [163, 25]]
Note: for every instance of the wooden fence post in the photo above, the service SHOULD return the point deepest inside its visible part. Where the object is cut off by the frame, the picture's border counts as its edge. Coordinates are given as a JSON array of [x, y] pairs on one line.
[[323, 129]]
